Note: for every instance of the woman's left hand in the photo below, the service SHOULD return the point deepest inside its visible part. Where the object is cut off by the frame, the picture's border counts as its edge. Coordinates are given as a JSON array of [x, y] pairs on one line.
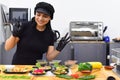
[[63, 42]]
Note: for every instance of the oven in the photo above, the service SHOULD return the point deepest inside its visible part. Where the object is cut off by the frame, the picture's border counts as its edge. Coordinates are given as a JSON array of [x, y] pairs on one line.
[[86, 30]]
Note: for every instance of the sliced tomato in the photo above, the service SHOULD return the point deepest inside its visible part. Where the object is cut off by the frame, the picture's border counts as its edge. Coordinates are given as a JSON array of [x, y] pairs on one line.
[[75, 75]]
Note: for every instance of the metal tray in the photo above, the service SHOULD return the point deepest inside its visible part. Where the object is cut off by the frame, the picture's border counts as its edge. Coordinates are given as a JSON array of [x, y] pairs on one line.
[[8, 72]]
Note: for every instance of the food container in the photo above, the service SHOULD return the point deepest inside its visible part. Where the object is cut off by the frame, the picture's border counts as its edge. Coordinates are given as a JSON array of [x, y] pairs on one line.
[[70, 62], [45, 62]]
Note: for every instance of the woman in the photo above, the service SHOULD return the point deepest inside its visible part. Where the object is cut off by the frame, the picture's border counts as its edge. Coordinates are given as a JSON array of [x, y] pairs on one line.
[[35, 37]]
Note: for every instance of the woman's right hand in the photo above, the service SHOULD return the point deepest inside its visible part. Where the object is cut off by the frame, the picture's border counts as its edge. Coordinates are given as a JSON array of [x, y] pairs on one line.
[[16, 29]]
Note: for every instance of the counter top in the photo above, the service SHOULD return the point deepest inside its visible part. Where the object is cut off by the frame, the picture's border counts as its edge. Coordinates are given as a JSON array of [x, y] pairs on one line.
[[87, 42], [101, 74]]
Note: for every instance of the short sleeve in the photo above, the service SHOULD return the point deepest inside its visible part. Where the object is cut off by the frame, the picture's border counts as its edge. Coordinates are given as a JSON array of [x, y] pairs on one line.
[[51, 39]]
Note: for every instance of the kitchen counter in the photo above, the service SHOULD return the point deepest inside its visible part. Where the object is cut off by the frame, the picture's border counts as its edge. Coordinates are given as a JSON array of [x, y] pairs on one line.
[[101, 74], [87, 42], [92, 42]]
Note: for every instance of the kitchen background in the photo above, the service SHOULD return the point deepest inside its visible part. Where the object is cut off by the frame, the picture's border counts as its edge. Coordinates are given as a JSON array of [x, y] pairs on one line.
[[107, 11]]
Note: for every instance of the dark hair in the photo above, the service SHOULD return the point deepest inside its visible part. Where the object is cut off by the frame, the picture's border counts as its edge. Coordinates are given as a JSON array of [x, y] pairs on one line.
[[46, 6]]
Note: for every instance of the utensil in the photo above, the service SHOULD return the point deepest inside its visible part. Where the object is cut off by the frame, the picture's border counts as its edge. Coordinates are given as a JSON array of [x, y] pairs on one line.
[[105, 28]]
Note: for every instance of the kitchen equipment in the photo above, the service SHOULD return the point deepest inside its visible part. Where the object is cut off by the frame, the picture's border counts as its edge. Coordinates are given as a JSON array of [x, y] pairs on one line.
[[86, 30], [19, 14], [56, 35], [115, 58]]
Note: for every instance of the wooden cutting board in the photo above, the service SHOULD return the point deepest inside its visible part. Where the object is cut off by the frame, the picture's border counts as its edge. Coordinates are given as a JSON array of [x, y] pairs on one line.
[[101, 74]]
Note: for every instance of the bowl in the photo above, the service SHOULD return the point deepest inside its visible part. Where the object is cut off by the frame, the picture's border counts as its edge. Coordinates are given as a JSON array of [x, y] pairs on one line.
[[42, 62], [55, 61], [45, 62], [70, 62], [109, 67]]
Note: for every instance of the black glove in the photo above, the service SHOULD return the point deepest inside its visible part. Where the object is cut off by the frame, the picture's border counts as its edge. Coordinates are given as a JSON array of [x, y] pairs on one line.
[[63, 42], [16, 29]]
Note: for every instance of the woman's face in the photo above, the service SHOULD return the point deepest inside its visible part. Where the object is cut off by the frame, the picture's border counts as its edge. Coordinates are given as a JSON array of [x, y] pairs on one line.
[[41, 19]]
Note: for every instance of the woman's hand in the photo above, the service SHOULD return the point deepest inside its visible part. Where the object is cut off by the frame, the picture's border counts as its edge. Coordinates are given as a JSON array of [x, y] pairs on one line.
[[16, 29], [63, 42]]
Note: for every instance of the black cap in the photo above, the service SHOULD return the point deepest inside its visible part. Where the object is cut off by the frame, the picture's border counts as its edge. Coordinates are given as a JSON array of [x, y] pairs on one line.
[[44, 8], [43, 11]]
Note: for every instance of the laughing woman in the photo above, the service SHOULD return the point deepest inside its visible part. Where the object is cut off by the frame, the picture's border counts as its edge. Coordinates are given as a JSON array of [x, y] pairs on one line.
[[35, 37]]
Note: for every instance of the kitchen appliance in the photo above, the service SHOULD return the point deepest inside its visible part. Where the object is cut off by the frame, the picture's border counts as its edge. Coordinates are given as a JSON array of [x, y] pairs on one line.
[[19, 14], [86, 30], [5, 26], [115, 58], [5, 32]]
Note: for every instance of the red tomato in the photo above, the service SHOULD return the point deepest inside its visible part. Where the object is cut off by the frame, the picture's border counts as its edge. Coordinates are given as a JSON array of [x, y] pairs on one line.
[[38, 71], [75, 75]]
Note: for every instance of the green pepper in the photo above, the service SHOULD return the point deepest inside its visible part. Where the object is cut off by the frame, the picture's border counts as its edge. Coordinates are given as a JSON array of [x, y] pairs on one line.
[[88, 77], [84, 66], [64, 76]]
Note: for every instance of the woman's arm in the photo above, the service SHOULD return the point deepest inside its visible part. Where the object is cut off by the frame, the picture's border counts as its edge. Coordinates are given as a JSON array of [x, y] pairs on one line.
[[11, 42], [52, 53]]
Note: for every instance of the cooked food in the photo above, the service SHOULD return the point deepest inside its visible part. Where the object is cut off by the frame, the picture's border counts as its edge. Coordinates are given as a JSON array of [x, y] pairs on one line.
[[16, 69], [46, 68], [38, 71], [59, 69]]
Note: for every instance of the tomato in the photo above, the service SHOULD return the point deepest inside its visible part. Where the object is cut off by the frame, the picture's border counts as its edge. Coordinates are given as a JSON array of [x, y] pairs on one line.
[[75, 75], [40, 71]]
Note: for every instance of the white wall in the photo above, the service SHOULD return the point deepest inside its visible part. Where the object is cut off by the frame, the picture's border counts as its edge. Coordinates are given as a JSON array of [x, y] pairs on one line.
[[107, 11]]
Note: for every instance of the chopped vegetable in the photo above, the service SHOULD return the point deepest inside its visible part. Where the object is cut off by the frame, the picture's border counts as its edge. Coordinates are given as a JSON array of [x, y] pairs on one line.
[[56, 64], [38, 64], [14, 77], [38, 71], [75, 75], [64, 76], [88, 77]]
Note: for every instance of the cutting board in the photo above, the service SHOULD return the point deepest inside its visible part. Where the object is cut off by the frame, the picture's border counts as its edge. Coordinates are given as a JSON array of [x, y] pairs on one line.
[[101, 74]]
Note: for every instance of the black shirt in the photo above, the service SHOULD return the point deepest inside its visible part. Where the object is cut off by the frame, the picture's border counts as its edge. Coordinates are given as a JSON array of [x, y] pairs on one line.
[[32, 44]]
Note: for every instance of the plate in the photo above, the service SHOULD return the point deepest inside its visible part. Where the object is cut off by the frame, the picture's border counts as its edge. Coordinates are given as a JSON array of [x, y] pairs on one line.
[[9, 72], [59, 71]]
